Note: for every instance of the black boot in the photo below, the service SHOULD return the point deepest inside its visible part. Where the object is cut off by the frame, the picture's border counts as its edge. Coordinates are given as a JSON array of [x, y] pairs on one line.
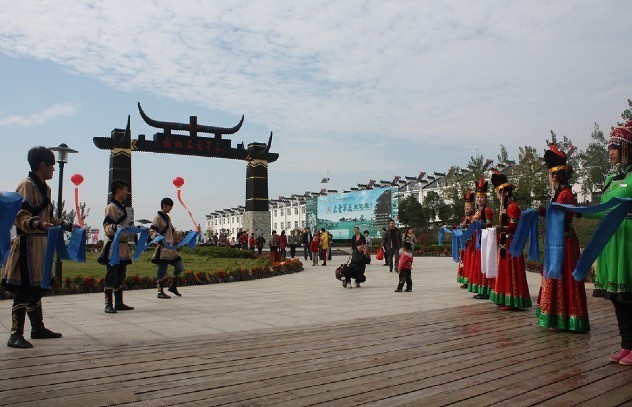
[[161, 293], [174, 286], [399, 287], [409, 288], [16, 340], [38, 330], [118, 301], [109, 308]]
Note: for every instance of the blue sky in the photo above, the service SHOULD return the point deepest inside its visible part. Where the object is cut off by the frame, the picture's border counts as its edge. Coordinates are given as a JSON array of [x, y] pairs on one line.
[[362, 89]]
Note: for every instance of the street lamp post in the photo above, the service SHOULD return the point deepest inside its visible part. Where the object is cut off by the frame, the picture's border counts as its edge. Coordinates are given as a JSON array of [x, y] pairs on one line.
[[62, 158]]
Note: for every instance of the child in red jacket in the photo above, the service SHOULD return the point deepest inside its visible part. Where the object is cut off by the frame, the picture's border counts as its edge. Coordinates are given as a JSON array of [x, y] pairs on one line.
[[405, 269], [314, 247]]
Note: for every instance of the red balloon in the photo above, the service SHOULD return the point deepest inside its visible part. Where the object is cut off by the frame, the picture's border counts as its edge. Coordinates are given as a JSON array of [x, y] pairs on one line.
[[178, 182], [76, 179]]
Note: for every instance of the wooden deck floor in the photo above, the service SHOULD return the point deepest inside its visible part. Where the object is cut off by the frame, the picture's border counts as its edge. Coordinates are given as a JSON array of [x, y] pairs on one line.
[[471, 355]]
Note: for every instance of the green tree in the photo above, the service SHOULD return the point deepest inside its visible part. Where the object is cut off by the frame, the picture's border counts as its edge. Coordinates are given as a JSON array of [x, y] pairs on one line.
[[434, 207], [594, 163], [503, 156], [69, 216], [627, 114], [411, 213], [458, 181], [531, 178]]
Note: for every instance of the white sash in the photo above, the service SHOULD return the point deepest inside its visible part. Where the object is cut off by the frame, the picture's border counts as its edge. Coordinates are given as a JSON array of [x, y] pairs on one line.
[[489, 253]]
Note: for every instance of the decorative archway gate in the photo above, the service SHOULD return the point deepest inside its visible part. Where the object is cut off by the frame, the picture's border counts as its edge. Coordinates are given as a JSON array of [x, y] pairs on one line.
[[257, 156]]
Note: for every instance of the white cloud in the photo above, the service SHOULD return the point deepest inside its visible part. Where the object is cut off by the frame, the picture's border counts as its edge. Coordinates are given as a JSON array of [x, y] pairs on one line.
[[35, 119], [351, 83]]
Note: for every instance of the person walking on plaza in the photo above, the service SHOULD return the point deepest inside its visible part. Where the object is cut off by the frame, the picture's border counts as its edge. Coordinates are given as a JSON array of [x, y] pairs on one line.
[[614, 265], [324, 245], [562, 303], [115, 218], [384, 248], [393, 242], [306, 239], [479, 283], [283, 244], [511, 290], [355, 239], [243, 239], [314, 247], [260, 242], [331, 244], [274, 247], [293, 241], [405, 269], [368, 240], [164, 256], [22, 275], [360, 257], [252, 243], [410, 237]]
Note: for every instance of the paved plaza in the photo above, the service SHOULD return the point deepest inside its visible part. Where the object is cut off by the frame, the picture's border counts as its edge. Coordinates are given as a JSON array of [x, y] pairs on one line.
[[302, 339]]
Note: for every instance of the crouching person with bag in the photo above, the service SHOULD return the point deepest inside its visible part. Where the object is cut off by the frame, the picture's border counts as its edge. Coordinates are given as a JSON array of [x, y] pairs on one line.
[[359, 259]]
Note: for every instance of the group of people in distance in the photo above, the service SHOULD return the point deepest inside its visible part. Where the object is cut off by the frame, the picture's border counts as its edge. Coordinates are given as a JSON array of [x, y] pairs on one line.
[[361, 256], [23, 272], [561, 303]]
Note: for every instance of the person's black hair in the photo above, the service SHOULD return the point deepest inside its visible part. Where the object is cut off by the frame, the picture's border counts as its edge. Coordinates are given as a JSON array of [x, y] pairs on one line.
[[166, 202], [408, 246], [367, 232], [38, 154], [118, 184]]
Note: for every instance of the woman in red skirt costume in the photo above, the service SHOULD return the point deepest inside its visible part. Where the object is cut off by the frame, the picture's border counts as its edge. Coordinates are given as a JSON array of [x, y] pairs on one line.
[[465, 255], [562, 303], [479, 283], [511, 290]]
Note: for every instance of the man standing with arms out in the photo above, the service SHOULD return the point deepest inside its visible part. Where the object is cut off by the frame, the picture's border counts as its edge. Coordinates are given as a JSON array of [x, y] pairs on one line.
[[23, 273], [115, 218], [164, 256], [393, 242]]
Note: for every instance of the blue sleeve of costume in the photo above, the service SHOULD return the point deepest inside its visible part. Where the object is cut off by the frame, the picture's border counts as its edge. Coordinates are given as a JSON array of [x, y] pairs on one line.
[[475, 227], [554, 241], [190, 239], [76, 250], [140, 246], [10, 203], [527, 228], [607, 227]]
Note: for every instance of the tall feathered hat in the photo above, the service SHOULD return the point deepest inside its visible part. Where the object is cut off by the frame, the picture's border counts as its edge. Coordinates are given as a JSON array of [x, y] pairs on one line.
[[469, 196], [621, 137], [482, 184], [500, 181], [555, 158]]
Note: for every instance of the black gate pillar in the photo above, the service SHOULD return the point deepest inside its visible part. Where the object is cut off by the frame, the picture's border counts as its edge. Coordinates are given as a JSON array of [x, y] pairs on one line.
[[257, 214], [121, 164]]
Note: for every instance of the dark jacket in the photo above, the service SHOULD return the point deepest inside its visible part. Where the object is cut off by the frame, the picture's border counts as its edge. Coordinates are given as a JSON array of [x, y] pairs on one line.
[[355, 239], [357, 266], [392, 239]]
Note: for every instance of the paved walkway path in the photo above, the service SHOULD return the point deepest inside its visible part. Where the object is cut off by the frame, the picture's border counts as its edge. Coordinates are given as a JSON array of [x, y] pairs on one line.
[[302, 339]]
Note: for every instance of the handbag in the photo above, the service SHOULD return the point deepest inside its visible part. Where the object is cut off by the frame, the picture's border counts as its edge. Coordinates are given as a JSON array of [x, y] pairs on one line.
[[340, 271], [380, 254]]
